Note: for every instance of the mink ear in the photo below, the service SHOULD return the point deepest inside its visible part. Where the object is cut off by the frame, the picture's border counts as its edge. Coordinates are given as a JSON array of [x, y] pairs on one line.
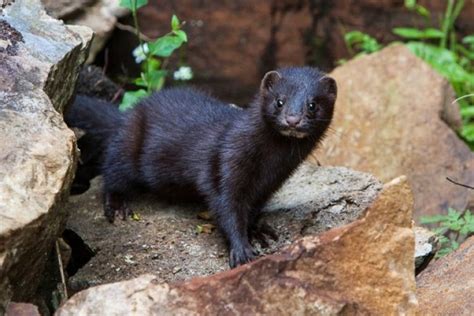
[[269, 80], [329, 87]]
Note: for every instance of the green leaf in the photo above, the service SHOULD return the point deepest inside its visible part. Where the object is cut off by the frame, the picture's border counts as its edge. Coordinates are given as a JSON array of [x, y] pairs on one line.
[[412, 33], [130, 98], [467, 132], [410, 4], [175, 24], [468, 39], [444, 61], [421, 10], [468, 112], [140, 82], [362, 42], [156, 79], [152, 65], [181, 34], [129, 4], [413, 6], [433, 219], [165, 46], [468, 227]]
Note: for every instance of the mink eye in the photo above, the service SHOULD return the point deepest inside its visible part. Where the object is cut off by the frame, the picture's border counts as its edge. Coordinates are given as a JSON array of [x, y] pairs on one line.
[[312, 106], [280, 103]]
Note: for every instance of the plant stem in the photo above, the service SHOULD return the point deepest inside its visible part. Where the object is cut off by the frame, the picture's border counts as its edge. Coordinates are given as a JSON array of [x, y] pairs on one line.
[[446, 24], [140, 41]]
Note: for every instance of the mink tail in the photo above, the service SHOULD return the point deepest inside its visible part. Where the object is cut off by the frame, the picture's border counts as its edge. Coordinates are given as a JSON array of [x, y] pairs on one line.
[[96, 121]]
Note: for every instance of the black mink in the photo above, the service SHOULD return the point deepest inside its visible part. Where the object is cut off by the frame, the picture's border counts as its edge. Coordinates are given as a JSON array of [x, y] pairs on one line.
[[181, 141]]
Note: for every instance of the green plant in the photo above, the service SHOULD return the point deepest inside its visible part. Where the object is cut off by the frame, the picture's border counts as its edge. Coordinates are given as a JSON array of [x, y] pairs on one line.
[[152, 56], [364, 43], [441, 48], [452, 229]]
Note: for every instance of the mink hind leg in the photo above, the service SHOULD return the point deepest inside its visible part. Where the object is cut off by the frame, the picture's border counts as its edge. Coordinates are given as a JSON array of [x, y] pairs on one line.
[[117, 189], [232, 220], [115, 203]]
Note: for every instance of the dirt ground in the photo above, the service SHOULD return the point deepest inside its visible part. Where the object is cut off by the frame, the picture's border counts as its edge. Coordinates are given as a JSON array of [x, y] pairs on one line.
[[175, 243]]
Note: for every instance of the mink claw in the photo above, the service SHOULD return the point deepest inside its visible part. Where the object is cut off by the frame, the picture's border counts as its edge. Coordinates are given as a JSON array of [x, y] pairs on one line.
[[125, 211], [241, 256], [109, 214], [268, 231], [262, 233]]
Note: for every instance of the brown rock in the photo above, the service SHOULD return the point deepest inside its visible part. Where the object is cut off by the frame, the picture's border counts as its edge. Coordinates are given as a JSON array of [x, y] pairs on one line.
[[388, 121], [446, 287], [365, 267], [39, 64]]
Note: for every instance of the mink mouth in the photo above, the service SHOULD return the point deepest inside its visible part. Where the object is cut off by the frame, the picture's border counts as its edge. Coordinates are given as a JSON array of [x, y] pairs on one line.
[[291, 132]]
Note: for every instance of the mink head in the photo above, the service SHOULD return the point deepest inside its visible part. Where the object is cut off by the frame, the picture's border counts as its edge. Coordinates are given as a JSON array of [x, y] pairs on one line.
[[298, 101]]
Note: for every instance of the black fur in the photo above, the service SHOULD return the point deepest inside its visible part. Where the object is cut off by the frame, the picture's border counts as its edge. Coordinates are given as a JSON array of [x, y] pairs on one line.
[[99, 120], [183, 141]]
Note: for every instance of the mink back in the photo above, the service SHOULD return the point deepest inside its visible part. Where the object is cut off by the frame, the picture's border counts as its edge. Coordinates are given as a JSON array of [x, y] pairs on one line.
[[168, 143]]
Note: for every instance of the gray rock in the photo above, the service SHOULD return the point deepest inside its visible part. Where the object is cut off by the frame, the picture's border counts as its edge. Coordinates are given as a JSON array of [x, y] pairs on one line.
[[426, 246], [62, 9], [39, 61], [165, 242], [100, 15]]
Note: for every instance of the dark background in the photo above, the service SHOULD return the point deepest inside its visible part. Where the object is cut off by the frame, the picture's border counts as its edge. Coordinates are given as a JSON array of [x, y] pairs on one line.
[[232, 43]]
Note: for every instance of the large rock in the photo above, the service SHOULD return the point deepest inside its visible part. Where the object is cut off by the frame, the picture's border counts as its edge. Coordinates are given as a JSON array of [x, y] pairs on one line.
[[100, 15], [365, 267], [165, 242], [446, 287], [39, 63], [392, 117]]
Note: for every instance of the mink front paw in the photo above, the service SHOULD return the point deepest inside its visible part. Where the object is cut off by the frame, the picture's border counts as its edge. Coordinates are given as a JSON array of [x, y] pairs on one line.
[[261, 233], [110, 213], [241, 255]]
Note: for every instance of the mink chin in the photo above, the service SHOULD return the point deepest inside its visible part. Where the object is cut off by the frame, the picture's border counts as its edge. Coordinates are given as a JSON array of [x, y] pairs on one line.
[[183, 142]]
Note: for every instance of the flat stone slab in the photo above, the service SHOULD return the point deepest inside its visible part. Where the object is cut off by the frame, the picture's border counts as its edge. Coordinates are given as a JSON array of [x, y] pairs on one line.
[[362, 268], [165, 241]]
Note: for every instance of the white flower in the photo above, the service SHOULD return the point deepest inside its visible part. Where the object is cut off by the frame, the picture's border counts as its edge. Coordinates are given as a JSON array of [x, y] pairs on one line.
[[183, 73], [139, 53]]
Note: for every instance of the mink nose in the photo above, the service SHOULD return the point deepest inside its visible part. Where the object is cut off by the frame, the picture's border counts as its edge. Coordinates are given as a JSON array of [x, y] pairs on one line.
[[293, 120]]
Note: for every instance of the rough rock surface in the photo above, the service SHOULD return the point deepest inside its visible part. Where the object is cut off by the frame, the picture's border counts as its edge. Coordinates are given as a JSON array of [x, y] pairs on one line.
[[22, 309], [99, 15], [446, 287], [365, 267], [39, 63], [391, 119], [62, 9], [165, 242]]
